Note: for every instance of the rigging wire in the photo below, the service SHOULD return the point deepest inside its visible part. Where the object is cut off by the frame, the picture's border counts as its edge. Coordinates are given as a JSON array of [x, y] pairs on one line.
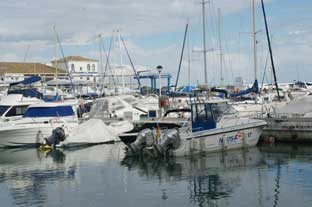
[[264, 72], [130, 60], [63, 56], [107, 63]]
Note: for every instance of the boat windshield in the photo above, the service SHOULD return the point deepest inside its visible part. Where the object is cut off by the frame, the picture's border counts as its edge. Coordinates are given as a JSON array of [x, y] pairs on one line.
[[56, 111], [3, 109], [130, 100], [16, 111], [220, 109]]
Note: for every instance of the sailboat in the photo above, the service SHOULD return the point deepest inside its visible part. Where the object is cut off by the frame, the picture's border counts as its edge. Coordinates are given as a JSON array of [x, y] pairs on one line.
[[259, 106]]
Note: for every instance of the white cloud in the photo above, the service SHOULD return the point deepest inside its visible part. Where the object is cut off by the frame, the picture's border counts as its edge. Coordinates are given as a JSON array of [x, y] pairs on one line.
[[29, 22], [296, 32]]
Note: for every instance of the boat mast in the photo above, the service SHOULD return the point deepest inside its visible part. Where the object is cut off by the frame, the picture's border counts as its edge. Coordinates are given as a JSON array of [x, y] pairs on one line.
[[254, 32], [121, 62], [270, 49], [100, 53], [204, 40], [181, 57], [56, 53], [220, 46], [26, 53], [188, 58], [254, 36]]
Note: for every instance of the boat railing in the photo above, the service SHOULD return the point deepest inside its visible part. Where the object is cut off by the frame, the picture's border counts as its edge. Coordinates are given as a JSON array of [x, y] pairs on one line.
[[287, 115]]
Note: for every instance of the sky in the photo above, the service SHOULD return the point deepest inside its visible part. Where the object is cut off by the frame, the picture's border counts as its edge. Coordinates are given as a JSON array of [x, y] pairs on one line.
[[153, 32]]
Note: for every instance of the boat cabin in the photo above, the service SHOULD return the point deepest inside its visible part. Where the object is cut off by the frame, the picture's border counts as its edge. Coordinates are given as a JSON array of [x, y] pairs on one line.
[[13, 106], [206, 115], [50, 110], [12, 111]]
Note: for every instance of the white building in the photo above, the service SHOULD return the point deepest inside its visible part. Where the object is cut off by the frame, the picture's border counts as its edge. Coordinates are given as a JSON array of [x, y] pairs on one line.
[[80, 68]]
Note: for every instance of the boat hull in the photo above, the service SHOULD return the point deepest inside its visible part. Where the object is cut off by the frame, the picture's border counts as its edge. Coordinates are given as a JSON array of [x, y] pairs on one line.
[[288, 129], [27, 136], [220, 140]]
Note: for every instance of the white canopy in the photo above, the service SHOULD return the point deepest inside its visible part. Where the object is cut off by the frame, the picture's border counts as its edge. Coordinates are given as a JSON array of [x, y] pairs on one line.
[[95, 131], [300, 106]]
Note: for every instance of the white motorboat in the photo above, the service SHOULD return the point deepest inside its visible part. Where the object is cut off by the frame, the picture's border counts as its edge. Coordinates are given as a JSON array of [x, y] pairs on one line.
[[214, 126], [13, 106], [115, 107], [301, 85], [142, 103], [38, 122], [252, 109], [290, 123]]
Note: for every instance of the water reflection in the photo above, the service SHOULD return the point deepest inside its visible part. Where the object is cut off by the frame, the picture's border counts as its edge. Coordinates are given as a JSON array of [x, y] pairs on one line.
[[270, 175], [288, 157], [26, 182], [211, 177], [28, 172]]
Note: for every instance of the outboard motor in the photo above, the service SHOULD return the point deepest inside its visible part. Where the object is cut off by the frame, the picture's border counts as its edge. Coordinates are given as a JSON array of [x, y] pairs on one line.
[[171, 141], [57, 136], [146, 145], [145, 138]]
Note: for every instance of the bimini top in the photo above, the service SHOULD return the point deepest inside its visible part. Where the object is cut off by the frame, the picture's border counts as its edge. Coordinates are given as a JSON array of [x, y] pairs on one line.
[[27, 81], [50, 110]]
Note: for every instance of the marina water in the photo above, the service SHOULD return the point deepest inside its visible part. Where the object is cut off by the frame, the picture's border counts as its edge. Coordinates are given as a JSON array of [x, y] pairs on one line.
[[268, 175]]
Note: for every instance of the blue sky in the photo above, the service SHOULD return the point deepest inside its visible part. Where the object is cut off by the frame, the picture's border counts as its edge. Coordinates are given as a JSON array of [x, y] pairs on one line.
[[153, 31]]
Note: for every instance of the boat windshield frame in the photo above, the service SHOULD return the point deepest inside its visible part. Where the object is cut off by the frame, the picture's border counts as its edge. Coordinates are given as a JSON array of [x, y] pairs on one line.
[[4, 109], [202, 117], [221, 109]]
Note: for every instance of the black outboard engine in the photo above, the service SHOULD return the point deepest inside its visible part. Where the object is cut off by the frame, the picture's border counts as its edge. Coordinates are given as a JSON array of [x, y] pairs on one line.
[[57, 136]]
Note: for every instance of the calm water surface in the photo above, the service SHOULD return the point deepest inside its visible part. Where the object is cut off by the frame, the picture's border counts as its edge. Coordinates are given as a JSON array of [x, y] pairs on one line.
[[99, 176]]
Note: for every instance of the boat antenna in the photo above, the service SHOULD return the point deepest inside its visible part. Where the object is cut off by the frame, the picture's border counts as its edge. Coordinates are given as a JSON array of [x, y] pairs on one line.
[[270, 49], [181, 57], [135, 73]]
